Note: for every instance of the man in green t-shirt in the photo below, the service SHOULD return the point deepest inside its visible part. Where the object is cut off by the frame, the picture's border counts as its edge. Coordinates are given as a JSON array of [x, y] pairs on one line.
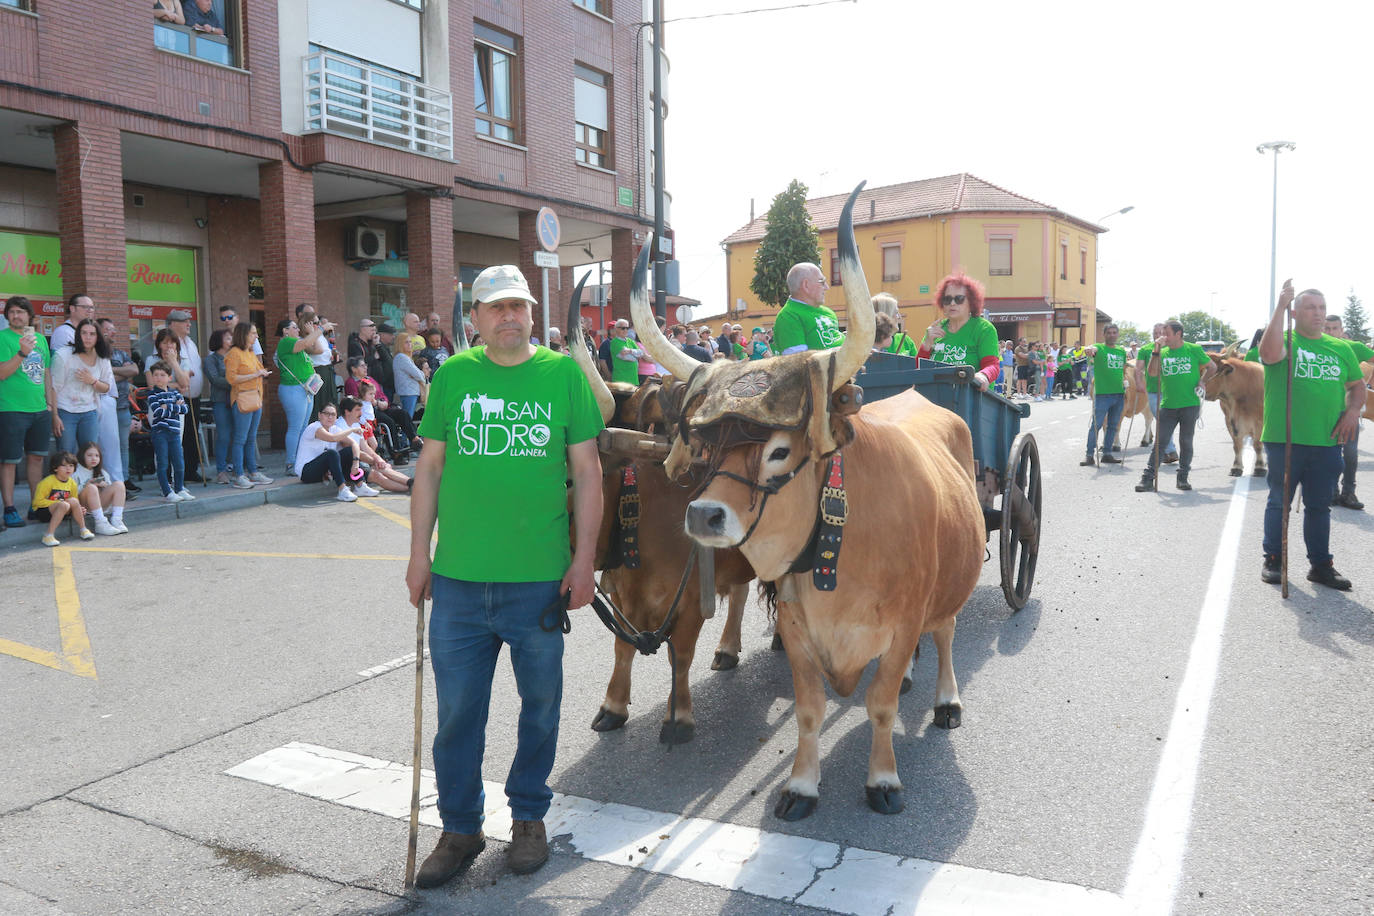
[[625, 354], [1109, 394], [1351, 450], [507, 424], [804, 323], [1327, 397], [27, 403], [1149, 385], [1180, 367]]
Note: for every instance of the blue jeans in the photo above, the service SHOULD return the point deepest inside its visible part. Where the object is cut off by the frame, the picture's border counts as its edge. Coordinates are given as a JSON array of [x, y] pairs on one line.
[[1316, 468], [408, 402], [295, 401], [125, 417], [167, 455], [77, 429], [1154, 409], [224, 433], [243, 451], [1106, 410], [468, 624], [1351, 453]]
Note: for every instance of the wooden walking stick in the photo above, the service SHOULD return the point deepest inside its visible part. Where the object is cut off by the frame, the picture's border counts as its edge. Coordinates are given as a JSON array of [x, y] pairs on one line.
[[415, 757], [1287, 442]]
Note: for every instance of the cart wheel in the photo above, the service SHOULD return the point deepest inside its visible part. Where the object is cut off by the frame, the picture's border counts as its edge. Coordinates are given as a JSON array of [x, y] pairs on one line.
[[1020, 536]]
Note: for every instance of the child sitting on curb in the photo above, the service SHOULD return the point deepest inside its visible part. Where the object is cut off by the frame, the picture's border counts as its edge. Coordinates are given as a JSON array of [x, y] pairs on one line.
[[98, 492], [55, 498]]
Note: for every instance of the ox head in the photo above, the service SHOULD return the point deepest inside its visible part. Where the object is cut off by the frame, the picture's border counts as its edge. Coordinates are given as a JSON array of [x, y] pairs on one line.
[[1227, 372], [765, 428]]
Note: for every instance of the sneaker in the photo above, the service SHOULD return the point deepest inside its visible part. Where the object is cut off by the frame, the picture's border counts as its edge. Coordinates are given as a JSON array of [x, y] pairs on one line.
[[185, 495], [132, 487], [346, 495], [289, 471], [529, 847], [14, 520], [222, 477], [1269, 572], [1349, 501], [1109, 458], [104, 527], [50, 541], [172, 497], [1327, 575], [362, 489], [86, 534], [259, 477], [1171, 457], [119, 526], [241, 483], [453, 851]]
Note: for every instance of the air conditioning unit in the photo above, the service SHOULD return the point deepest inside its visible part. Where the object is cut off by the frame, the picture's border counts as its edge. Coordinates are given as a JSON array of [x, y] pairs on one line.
[[367, 243]]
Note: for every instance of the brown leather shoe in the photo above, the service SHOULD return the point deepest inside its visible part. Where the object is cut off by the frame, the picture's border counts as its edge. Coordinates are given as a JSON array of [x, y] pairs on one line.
[[529, 848], [453, 851]]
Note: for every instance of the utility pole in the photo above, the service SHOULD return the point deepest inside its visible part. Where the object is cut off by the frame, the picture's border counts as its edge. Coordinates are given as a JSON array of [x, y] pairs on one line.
[[660, 294]]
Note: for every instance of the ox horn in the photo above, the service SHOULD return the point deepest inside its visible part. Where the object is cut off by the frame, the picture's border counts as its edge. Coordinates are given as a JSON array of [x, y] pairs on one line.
[[577, 348], [678, 364], [858, 341]]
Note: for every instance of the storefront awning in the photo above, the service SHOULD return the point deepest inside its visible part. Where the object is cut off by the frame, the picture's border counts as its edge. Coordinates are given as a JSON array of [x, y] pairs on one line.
[[1012, 309]]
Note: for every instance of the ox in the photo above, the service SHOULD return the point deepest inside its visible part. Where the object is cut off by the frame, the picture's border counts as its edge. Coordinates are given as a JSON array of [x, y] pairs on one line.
[[908, 519], [1137, 403], [1239, 387], [645, 591]]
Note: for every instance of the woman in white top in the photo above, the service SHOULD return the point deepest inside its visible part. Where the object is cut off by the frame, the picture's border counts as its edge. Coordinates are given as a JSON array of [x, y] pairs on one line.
[[80, 379], [319, 454]]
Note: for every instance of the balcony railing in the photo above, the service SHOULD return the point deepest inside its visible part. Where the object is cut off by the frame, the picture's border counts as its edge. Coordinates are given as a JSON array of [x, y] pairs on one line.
[[182, 40], [344, 95]]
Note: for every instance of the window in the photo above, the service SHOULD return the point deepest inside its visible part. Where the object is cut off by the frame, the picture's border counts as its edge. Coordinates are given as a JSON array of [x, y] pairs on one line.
[[835, 267], [591, 108], [1063, 260], [892, 263], [1083, 266], [209, 35], [596, 6], [999, 257], [23, 4], [496, 83]]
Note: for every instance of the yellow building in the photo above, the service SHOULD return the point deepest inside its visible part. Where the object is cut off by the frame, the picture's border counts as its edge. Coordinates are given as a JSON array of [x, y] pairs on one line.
[[1037, 263]]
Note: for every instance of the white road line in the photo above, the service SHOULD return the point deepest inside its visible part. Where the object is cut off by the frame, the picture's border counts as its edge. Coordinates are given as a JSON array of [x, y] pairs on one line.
[[384, 667], [777, 866], [1157, 862]]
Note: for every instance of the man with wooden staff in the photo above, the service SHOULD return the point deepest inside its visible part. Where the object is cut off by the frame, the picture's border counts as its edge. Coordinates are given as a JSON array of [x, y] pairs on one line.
[[507, 424], [1109, 394], [1327, 397], [1346, 495], [1180, 367]]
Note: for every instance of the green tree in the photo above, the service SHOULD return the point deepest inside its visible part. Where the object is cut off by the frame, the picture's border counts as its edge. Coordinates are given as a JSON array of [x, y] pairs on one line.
[[1202, 326], [791, 238], [1354, 320], [1130, 334]]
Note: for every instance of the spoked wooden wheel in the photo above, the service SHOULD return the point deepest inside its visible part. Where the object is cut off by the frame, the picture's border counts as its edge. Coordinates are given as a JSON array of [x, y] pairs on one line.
[[1020, 536]]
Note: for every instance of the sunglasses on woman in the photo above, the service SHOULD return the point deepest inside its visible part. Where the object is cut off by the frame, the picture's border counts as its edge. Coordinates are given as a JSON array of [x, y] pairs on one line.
[[952, 300]]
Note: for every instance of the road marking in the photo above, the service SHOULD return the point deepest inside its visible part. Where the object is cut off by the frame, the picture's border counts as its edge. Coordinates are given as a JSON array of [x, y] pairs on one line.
[[76, 657], [778, 866], [385, 513], [384, 667], [252, 554], [1157, 862]]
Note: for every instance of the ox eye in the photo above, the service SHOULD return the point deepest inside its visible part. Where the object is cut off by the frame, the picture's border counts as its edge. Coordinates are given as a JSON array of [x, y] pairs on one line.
[[780, 453]]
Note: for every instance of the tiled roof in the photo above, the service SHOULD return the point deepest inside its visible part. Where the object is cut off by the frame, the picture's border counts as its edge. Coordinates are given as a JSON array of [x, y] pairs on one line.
[[959, 193]]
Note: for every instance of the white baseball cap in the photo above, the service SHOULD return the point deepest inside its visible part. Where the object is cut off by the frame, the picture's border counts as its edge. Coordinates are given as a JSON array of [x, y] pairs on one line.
[[504, 281]]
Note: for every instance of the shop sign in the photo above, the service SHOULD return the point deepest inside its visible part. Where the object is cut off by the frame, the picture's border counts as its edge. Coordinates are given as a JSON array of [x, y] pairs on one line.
[[625, 197], [1067, 318], [161, 274], [257, 291], [30, 266]]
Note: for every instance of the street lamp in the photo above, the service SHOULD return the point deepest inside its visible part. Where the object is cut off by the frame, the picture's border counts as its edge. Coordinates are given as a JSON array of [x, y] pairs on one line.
[[1277, 146], [1115, 212]]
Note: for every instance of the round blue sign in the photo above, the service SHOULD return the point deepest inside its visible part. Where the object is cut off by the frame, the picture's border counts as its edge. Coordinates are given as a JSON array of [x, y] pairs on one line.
[[547, 228]]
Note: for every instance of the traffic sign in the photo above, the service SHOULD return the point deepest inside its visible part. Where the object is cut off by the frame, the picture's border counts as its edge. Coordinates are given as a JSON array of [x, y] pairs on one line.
[[545, 259], [547, 228]]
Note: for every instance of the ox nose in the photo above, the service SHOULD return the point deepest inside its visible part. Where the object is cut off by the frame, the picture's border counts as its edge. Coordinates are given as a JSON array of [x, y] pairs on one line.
[[705, 519]]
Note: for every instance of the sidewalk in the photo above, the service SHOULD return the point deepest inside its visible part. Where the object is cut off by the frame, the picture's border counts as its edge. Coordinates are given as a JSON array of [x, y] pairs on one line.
[[151, 509]]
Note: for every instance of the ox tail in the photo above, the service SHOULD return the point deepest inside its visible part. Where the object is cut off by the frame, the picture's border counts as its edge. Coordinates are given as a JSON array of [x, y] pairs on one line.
[[768, 594]]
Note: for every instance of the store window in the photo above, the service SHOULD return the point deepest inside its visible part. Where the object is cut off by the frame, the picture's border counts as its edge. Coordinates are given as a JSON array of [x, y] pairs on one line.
[[591, 113], [596, 6], [496, 83], [209, 30]]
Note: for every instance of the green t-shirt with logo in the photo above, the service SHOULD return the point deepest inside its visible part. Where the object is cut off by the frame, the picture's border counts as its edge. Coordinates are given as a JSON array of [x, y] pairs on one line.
[[1180, 369], [1324, 367], [969, 345], [1143, 355], [23, 391], [503, 500], [296, 368], [812, 327], [1109, 370], [623, 370], [1362, 352], [902, 343]]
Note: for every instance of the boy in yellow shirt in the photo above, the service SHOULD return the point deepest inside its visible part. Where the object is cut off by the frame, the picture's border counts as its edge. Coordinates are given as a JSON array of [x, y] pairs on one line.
[[56, 496]]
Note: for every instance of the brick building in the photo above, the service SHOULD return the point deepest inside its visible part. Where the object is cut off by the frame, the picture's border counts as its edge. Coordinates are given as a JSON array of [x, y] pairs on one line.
[[364, 156]]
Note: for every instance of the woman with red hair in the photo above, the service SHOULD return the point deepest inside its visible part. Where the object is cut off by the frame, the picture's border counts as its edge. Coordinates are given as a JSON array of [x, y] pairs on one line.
[[963, 337]]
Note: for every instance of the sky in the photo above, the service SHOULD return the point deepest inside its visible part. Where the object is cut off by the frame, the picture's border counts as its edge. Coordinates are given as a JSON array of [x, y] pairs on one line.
[[1086, 106]]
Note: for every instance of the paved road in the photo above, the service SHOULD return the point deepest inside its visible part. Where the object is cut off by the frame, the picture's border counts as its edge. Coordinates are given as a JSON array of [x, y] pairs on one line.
[[1148, 734]]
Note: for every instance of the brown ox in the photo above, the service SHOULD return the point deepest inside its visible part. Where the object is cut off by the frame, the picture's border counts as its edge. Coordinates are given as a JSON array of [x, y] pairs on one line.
[[1239, 387], [644, 594], [1137, 403], [912, 544]]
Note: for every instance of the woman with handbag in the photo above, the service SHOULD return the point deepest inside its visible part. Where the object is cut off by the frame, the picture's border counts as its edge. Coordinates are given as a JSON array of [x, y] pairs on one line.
[[245, 373], [298, 384]]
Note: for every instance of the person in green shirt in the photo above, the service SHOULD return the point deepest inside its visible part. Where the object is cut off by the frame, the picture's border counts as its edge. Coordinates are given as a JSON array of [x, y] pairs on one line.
[[1149, 385], [1327, 396], [963, 337], [888, 336], [1109, 394], [758, 345], [27, 403], [625, 354], [804, 323], [1180, 367], [507, 424], [297, 371], [1345, 496]]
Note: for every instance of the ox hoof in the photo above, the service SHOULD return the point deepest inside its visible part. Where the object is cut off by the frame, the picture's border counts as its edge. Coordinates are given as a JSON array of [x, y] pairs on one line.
[[949, 715], [607, 721], [793, 806], [777, 642], [676, 732], [1235, 472], [885, 799], [906, 684], [724, 661], [1260, 472]]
